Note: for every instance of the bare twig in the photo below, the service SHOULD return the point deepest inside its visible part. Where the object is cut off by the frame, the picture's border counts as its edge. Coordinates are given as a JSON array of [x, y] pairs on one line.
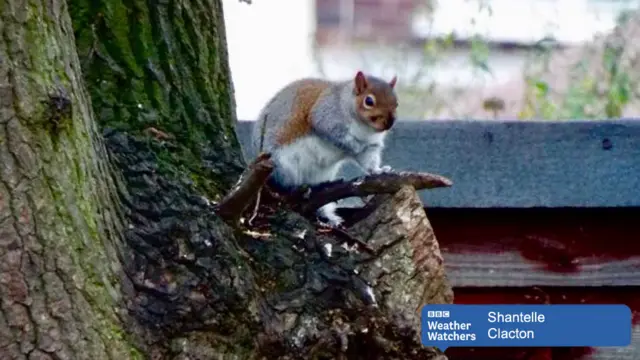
[[247, 187], [308, 200], [255, 208]]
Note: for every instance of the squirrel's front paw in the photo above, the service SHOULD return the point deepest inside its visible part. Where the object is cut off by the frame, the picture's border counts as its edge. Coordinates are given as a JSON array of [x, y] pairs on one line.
[[382, 169]]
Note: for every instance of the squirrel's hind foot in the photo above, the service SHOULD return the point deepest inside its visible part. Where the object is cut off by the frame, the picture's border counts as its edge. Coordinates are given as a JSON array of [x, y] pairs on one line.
[[328, 212]]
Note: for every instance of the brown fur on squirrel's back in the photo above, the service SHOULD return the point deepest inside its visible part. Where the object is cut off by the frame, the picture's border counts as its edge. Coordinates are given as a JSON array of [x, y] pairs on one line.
[[298, 124], [286, 116]]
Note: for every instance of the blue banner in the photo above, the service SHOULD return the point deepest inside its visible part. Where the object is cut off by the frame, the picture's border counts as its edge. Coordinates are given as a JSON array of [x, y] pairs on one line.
[[445, 326]]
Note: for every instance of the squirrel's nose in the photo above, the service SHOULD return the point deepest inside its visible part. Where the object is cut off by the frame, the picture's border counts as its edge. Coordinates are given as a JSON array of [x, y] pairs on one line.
[[390, 120]]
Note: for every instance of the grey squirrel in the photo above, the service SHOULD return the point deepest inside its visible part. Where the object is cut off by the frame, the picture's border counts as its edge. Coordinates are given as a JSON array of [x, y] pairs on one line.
[[311, 126]]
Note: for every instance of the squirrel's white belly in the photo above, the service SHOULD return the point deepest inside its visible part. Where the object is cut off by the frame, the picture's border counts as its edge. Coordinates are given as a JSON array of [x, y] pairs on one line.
[[307, 161]]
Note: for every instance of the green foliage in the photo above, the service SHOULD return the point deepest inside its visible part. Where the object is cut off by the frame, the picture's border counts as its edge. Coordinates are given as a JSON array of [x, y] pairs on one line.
[[591, 94], [479, 54]]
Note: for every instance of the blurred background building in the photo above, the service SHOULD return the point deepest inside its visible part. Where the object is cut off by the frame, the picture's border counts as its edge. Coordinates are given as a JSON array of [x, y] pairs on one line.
[[454, 58]]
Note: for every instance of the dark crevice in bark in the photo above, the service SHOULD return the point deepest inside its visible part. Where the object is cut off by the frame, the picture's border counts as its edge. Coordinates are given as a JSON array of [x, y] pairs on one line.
[[188, 273]]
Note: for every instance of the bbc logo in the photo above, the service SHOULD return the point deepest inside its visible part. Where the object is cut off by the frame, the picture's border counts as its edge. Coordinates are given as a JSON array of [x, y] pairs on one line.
[[438, 314]]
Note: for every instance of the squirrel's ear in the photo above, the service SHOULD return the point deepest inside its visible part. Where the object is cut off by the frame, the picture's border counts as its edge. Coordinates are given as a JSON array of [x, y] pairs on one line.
[[360, 82], [392, 83]]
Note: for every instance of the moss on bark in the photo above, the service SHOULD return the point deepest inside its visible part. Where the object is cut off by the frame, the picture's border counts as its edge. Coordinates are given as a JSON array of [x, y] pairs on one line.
[[59, 223], [163, 64]]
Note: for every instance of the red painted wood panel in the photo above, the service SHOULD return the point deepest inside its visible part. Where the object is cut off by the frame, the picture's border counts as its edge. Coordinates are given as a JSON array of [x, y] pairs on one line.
[[525, 247]]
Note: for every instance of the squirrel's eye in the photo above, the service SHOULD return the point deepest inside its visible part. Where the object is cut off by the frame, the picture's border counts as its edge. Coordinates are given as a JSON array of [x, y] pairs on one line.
[[369, 101]]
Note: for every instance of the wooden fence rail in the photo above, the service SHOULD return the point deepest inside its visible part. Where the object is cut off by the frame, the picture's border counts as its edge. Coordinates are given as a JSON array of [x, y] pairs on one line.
[[518, 164]]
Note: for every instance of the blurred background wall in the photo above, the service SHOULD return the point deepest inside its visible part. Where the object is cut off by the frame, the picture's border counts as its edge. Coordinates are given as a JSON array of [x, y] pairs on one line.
[[488, 59]]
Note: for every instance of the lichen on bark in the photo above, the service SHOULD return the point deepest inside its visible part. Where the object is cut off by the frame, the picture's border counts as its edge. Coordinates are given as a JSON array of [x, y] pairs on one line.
[[59, 220], [163, 64]]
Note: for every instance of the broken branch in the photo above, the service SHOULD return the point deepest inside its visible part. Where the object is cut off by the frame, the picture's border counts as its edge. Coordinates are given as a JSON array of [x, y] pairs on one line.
[[247, 187], [308, 200]]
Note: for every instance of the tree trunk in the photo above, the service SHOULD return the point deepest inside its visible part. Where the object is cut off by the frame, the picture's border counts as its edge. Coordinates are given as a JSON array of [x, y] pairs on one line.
[[163, 64], [59, 222], [111, 245]]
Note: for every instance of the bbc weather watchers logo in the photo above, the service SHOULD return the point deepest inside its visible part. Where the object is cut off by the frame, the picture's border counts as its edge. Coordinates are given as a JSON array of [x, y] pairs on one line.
[[499, 325]]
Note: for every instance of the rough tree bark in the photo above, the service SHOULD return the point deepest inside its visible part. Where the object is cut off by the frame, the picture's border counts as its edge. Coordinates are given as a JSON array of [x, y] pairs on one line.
[[59, 222], [110, 245], [163, 65]]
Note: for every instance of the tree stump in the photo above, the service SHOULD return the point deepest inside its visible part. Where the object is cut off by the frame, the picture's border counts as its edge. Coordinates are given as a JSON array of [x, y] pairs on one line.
[[408, 267]]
